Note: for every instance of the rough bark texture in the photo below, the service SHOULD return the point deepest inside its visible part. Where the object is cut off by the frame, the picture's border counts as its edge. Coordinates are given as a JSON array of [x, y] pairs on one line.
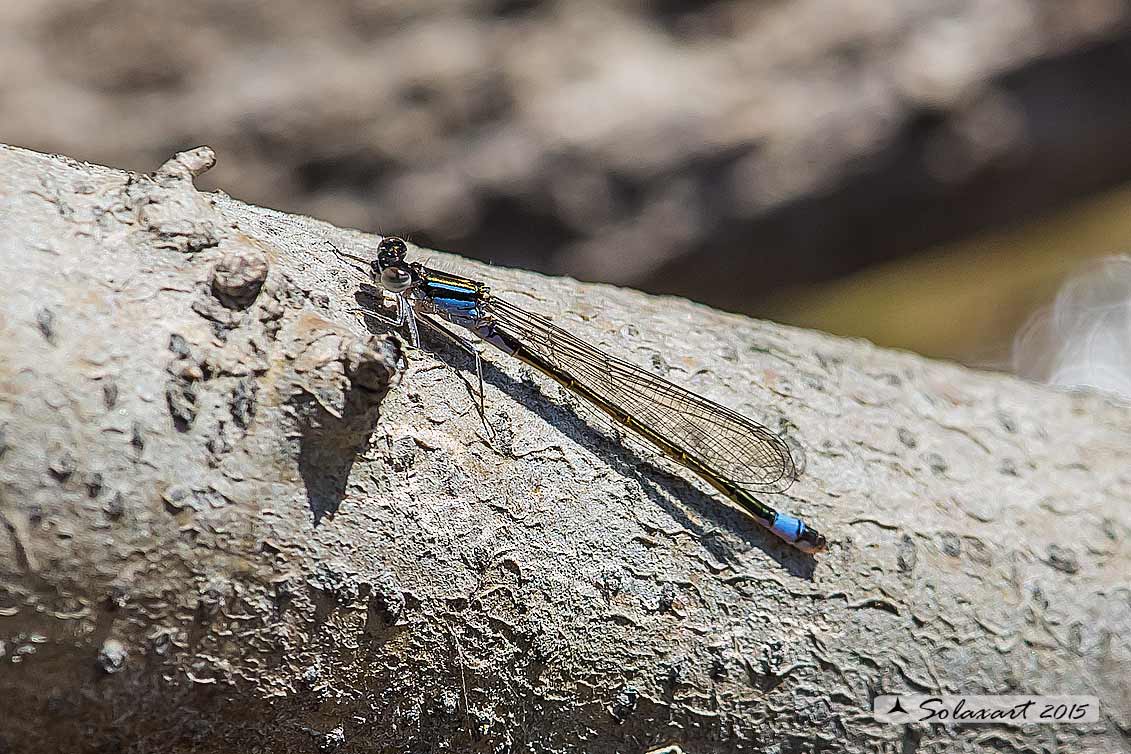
[[214, 541]]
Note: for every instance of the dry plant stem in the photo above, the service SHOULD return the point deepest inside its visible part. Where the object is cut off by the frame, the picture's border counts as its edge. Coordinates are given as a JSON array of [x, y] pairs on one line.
[[221, 530]]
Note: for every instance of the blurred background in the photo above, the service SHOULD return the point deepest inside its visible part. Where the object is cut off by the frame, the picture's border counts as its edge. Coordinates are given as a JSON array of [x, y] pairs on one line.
[[939, 175]]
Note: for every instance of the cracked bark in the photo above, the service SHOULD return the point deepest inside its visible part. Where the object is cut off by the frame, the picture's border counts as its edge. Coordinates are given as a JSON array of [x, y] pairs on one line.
[[221, 530]]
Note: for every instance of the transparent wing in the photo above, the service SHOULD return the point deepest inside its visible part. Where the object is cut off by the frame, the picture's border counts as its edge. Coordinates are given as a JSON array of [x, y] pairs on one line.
[[737, 449]]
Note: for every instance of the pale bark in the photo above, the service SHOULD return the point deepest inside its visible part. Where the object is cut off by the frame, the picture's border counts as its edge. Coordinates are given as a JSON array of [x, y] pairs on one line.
[[213, 540]]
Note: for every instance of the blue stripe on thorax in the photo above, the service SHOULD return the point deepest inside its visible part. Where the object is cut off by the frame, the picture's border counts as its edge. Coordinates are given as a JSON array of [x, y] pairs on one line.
[[458, 302], [449, 290]]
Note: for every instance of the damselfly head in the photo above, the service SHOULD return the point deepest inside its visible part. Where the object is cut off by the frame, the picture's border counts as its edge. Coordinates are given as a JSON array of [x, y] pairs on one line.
[[391, 251], [389, 270], [396, 278]]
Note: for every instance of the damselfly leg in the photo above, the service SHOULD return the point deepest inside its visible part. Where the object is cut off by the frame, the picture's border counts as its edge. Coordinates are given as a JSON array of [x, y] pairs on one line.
[[465, 345], [406, 317]]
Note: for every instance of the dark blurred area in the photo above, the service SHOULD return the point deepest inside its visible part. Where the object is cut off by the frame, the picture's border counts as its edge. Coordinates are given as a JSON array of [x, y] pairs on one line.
[[922, 173]]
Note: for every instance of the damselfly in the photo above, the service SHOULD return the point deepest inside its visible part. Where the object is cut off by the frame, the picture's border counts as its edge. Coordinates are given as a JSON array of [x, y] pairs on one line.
[[735, 455]]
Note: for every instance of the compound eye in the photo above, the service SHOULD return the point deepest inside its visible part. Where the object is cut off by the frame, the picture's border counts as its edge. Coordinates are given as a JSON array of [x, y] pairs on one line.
[[396, 279], [390, 251]]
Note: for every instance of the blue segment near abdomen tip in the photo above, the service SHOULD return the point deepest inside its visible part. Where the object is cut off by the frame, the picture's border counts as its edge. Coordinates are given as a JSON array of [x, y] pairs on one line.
[[787, 527]]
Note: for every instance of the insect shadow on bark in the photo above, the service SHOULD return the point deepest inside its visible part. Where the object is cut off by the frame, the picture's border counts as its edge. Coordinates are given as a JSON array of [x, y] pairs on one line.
[[660, 486]]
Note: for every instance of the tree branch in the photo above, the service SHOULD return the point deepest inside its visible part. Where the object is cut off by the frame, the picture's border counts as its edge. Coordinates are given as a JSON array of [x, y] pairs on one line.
[[219, 532]]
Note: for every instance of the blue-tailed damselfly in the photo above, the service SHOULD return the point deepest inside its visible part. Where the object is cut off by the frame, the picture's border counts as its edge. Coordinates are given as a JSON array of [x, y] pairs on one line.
[[735, 455]]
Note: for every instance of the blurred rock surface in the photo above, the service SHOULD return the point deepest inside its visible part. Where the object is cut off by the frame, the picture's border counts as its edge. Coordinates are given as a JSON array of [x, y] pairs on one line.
[[720, 150]]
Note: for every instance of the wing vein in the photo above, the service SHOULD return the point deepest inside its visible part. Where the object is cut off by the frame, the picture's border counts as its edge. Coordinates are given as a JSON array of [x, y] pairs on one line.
[[739, 450]]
